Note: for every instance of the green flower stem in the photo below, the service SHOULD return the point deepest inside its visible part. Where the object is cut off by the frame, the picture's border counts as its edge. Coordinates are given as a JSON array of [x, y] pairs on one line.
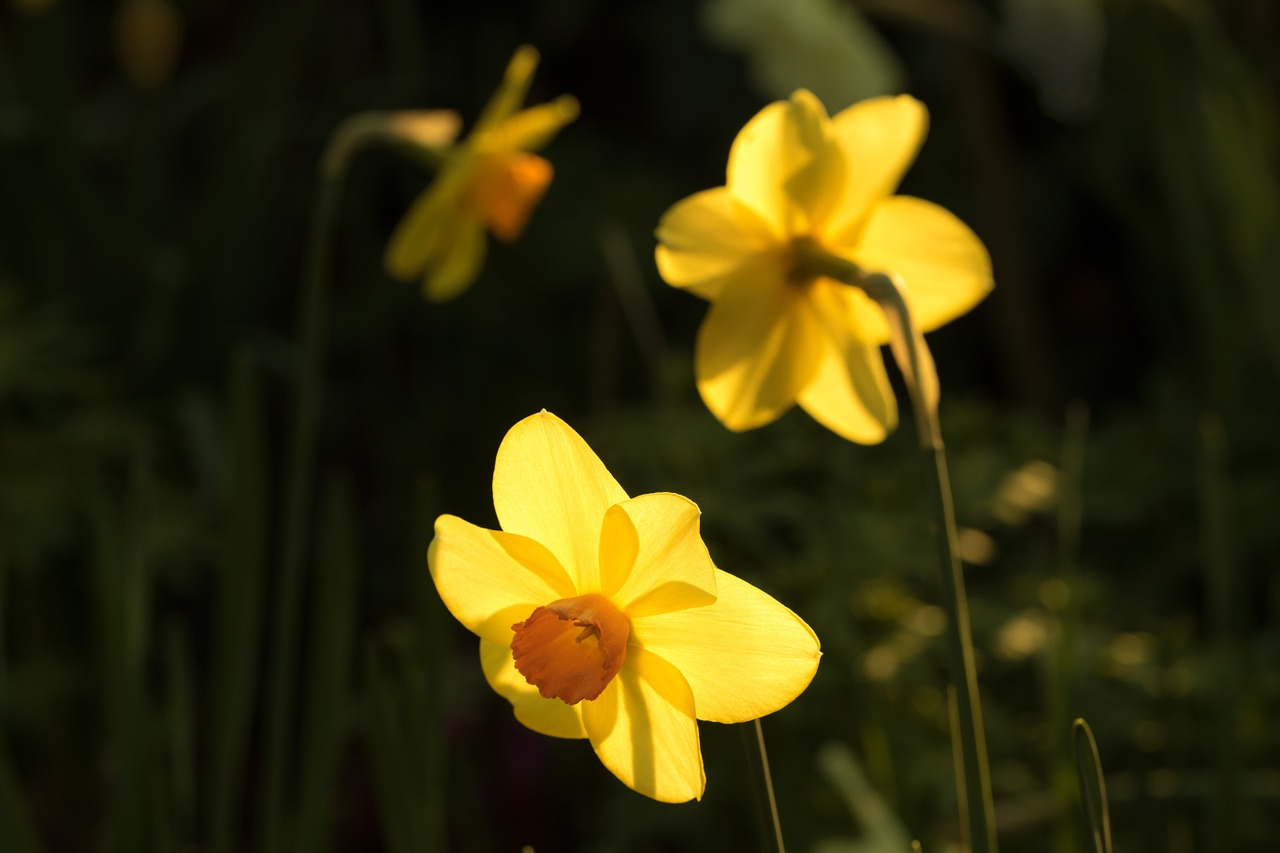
[[312, 333], [313, 311], [976, 792], [768, 787]]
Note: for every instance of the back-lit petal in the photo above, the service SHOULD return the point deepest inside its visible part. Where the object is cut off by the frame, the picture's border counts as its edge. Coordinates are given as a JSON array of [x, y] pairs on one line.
[[550, 486], [545, 716], [652, 558], [644, 730], [786, 166], [743, 657], [705, 238], [850, 392], [756, 350], [944, 266], [880, 138], [480, 573]]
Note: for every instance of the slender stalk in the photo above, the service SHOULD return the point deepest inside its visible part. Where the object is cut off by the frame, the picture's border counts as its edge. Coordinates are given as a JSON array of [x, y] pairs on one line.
[[973, 745], [299, 484], [427, 132], [313, 331], [768, 787], [917, 368], [238, 622]]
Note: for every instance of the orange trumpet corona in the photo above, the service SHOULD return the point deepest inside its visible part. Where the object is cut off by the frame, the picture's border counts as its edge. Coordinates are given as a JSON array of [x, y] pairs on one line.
[[572, 648]]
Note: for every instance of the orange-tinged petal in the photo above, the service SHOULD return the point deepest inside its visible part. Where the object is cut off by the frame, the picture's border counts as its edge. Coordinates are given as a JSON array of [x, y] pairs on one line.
[[744, 656], [461, 255], [545, 716], [943, 264], [880, 138], [850, 394], [705, 238], [511, 91], [550, 486], [652, 558], [481, 574], [644, 731], [756, 350], [504, 190], [786, 166]]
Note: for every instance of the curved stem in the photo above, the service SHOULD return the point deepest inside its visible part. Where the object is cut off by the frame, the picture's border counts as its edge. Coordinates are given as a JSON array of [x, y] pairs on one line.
[[299, 486], [313, 332], [917, 368]]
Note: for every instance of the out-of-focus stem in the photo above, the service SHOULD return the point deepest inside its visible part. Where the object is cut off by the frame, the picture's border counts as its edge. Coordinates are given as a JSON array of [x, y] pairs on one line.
[[313, 311]]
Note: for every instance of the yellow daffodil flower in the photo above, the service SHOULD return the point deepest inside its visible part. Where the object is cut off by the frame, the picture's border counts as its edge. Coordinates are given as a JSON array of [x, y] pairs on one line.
[[602, 616], [801, 184], [489, 180]]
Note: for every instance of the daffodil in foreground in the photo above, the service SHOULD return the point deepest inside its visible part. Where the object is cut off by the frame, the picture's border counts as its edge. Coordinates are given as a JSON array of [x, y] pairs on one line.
[[490, 181], [603, 617], [802, 186]]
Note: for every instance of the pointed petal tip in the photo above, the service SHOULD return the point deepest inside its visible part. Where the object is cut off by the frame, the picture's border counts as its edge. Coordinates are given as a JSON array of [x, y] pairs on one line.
[[523, 61], [568, 107]]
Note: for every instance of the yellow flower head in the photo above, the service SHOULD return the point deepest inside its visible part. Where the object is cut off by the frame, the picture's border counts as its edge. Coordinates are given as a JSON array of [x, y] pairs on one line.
[[800, 183], [489, 180], [602, 616]]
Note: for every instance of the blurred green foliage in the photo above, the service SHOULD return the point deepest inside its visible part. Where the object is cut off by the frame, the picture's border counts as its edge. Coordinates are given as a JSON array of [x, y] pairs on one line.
[[1118, 158]]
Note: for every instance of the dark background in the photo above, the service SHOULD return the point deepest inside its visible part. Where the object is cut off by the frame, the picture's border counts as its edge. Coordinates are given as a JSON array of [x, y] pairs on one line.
[[1110, 411]]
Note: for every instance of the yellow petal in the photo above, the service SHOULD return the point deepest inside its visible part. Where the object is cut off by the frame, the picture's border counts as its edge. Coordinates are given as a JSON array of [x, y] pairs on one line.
[[459, 259], [432, 129], [550, 486], [943, 264], [511, 91], [652, 559], [483, 573], [786, 166], [419, 236], [529, 130], [707, 237], [644, 731], [756, 349], [850, 394], [880, 138], [745, 656], [545, 716]]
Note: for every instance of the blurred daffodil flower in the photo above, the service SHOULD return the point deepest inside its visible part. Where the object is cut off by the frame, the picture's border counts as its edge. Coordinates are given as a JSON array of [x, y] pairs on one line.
[[490, 180], [803, 188], [603, 617]]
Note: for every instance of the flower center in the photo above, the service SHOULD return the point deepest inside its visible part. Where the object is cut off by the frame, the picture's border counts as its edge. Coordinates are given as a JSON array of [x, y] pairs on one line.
[[505, 189], [572, 648], [809, 260]]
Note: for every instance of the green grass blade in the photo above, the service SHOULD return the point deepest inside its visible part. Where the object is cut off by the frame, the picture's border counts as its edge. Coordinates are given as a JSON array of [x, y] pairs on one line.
[[120, 593], [326, 703], [238, 613], [179, 731], [390, 760], [1093, 788]]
